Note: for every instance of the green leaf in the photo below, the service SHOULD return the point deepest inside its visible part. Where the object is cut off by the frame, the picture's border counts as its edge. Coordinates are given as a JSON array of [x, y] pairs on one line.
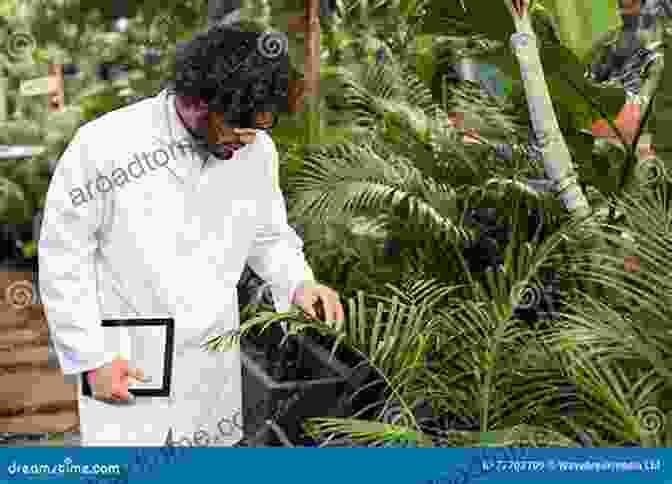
[[8, 8], [425, 63], [580, 24], [485, 17]]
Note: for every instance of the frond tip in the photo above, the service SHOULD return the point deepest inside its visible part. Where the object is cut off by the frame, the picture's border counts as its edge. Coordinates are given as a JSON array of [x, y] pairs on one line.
[[367, 433]]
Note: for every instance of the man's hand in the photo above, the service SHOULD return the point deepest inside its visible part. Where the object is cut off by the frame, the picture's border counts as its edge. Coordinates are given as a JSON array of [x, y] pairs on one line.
[[309, 296], [110, 382], [521, 6]]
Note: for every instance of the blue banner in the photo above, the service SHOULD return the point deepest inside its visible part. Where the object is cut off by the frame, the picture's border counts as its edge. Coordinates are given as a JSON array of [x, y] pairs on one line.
[[335, 466]]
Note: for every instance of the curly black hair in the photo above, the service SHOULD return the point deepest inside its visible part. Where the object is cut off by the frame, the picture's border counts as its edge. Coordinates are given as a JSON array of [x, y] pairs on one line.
[[238, 69]]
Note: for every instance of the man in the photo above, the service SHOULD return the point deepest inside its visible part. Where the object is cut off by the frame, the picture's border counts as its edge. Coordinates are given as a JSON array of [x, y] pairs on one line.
[[152, 212]]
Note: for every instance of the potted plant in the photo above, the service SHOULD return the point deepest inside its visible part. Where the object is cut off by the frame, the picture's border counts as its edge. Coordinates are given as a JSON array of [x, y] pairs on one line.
[[286, 379], [365, 387]]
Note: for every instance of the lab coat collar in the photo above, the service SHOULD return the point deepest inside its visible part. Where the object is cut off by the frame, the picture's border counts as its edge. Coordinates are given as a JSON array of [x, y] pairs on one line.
[[173, 132]]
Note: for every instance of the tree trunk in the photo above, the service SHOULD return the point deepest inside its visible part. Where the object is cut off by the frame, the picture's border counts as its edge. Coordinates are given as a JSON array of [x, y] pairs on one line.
[[56, 95], [296, 95], [312, 61], [4, 83], [558, 163]]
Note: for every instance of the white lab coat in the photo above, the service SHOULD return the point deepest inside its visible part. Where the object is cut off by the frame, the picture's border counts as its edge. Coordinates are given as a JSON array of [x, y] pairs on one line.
[[171, 242]]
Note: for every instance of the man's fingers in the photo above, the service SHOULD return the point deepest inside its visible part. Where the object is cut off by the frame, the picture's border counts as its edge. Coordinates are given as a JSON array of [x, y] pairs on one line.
[[523, 7], [137, 374], [120, 367], [111, 382], [335, 310], [329, 308], [520, 6], [311, 311], [123, 396], [115, 396], [309, 306]]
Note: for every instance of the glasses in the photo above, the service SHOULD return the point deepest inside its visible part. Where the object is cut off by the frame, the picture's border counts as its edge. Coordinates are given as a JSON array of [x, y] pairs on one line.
[[219, 130], [265, 120]]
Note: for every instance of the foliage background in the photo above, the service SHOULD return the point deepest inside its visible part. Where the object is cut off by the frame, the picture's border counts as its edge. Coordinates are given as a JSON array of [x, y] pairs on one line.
[[379, 178]]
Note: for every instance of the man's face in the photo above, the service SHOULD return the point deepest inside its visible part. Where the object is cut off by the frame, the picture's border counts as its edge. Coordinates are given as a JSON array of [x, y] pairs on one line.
[[211, 125], [221, 134], [630, 7]]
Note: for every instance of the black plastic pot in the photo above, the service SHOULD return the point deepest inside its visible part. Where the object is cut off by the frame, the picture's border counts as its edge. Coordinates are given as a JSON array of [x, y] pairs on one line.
[[357, 386], [19, 265], [274, 409], [252, 289], [365, 390]]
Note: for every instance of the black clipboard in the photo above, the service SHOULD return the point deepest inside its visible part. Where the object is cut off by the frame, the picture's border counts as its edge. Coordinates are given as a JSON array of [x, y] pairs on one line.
[[159, 391]]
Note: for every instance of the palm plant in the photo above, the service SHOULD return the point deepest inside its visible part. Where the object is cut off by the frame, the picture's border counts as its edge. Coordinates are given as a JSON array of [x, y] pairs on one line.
[[618, 347], [615, 353], [412, 179], [403, 179], [401, 174]]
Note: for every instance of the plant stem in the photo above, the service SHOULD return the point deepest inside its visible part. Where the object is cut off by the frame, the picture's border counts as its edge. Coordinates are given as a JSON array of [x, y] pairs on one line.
[[558, 163]]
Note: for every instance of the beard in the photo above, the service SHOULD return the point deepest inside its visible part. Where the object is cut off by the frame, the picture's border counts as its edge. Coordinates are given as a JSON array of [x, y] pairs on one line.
[[204, 130], [222, 151]]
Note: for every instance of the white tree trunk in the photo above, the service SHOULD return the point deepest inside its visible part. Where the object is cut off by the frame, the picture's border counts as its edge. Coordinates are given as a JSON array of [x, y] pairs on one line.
[[558, 163], [4, 82]]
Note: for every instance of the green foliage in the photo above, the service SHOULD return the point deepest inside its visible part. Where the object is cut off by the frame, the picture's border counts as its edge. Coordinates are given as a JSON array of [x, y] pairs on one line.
[[409, 179], [96, 105], [375, 160], [581, 24]]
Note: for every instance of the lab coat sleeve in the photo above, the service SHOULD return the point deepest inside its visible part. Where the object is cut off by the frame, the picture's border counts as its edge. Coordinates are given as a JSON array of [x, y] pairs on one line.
[[68, 241], [276, 254]]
